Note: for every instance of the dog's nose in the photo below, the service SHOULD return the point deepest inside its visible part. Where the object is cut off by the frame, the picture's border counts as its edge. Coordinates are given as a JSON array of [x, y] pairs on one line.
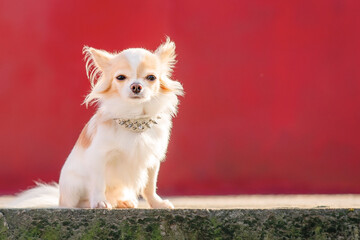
[[136, 88]]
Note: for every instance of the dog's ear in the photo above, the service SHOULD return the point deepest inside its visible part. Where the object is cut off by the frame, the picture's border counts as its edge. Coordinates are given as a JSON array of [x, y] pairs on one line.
[[166, 54], [97, 64], [100, 58]]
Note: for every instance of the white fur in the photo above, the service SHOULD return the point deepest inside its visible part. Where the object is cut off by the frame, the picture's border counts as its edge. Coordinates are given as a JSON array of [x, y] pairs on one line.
[[118, 164], [43, 195]]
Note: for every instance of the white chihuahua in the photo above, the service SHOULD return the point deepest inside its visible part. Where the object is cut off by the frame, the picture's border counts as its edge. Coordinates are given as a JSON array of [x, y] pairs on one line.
[[118, 153]]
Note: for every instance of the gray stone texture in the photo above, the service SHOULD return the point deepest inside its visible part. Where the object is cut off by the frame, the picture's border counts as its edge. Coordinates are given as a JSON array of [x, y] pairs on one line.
[[180, 224]]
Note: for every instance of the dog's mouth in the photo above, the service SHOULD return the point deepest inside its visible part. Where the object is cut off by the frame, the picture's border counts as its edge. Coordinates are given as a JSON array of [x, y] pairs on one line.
[[136, 96]]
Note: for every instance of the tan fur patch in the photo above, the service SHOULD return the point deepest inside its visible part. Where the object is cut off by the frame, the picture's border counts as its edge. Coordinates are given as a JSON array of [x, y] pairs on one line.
[[125, 204], [108, 122], [120, 63], [61, 200], [107, 89], [101, 120], [164, 88], [85, 137], [148, 65], [112, 91]]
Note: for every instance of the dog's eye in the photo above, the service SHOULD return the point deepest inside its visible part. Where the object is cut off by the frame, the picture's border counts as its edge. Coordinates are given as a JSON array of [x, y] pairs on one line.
[[150, 77], [121, 77]]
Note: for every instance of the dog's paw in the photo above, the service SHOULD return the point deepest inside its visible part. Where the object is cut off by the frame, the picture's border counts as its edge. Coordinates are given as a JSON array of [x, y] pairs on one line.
[[126, 204], [103, 205], [162, 204]]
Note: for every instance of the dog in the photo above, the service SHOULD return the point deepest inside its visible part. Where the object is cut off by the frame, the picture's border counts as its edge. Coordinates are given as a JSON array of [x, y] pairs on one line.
[[118, 153]]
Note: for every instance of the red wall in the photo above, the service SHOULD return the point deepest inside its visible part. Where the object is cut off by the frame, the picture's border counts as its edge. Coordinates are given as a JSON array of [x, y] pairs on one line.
[[272, 90]]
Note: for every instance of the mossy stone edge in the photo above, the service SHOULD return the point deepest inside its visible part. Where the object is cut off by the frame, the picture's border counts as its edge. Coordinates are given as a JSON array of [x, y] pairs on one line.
[[179, 224]]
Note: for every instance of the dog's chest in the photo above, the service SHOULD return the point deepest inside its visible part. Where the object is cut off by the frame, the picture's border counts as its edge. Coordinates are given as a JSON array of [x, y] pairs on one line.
[[131, 155], [134, 148]]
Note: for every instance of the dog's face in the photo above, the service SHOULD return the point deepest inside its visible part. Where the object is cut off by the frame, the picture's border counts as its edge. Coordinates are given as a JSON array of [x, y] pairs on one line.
[[135, 75]]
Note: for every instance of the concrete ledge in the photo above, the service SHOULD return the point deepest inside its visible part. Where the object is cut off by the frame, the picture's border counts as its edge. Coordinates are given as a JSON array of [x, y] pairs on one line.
[[253, 201], [179, 224]]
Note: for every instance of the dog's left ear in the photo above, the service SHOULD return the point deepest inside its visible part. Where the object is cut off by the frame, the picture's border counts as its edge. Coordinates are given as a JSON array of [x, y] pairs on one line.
[[166, 54]]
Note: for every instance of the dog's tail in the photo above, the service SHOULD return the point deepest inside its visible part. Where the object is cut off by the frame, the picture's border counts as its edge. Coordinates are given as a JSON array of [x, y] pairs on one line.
[[41, 196]]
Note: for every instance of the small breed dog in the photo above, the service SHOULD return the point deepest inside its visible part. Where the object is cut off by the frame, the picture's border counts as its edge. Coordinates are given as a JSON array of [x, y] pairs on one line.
[[118, 153]]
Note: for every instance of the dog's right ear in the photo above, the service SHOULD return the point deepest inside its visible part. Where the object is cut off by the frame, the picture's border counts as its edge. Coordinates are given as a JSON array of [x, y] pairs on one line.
[[97, 61], [100, 58], [97, 64]]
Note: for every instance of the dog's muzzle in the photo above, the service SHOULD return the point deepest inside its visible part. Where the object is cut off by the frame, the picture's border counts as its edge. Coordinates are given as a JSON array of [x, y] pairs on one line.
[[136, 88]]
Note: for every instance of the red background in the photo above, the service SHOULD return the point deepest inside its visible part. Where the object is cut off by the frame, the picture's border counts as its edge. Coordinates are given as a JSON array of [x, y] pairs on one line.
[[272, 90]]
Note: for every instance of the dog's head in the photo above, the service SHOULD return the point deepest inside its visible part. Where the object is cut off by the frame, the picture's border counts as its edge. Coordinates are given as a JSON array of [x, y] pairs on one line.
[[134, 75]]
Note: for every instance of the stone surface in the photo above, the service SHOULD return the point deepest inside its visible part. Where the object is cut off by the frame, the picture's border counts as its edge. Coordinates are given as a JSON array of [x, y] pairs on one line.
[[267, 201], [255, 201], [226, 217], [180, 224]]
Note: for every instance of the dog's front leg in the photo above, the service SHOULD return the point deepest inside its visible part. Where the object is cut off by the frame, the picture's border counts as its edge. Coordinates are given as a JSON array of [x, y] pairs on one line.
[[149, 192], [97, 184]]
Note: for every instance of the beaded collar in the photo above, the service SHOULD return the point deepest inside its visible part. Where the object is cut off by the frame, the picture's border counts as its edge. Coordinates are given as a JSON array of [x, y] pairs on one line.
[[136, 125]]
